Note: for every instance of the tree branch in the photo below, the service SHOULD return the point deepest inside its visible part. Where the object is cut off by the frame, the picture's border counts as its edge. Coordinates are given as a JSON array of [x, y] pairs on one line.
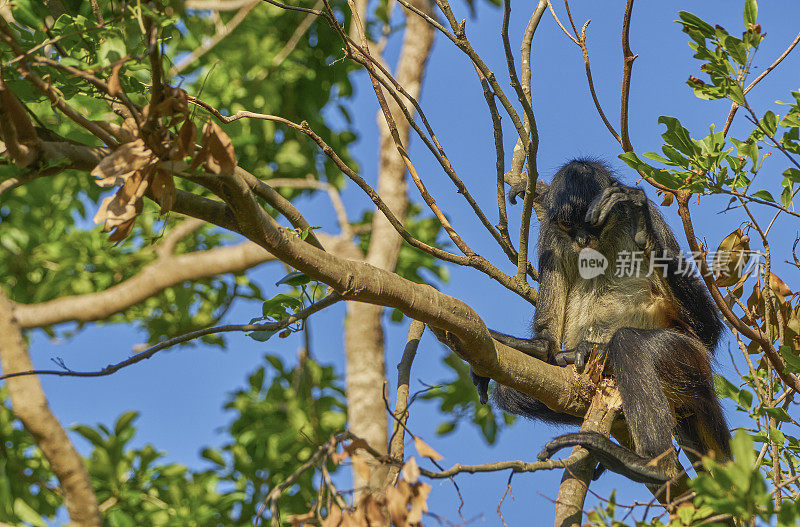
[[149, 352], [606, 405]]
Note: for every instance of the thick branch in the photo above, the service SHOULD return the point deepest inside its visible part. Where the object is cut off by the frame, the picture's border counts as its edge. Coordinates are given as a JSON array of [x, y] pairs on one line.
[[559, 388], [153, 278]]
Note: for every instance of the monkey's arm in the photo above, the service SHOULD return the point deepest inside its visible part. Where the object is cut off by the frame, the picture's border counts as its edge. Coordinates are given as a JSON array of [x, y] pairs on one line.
[[610, 455], [541, 348]]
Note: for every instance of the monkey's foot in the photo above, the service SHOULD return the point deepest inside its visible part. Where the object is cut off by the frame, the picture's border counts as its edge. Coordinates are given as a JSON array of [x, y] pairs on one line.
[[611, 455], [517, 190], [482, 384]]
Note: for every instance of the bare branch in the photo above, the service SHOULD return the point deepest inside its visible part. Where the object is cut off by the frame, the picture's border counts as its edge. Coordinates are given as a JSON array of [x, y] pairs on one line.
[[606, 405], [514, 466], [627, 68], [415, 330], [149, 352], [164, 272]]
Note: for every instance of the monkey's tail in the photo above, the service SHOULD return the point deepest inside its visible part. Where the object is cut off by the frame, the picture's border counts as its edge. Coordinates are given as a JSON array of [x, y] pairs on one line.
[[610, 455]]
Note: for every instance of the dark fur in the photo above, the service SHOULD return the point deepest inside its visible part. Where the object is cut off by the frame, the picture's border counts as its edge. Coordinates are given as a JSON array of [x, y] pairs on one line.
[[659, 331]]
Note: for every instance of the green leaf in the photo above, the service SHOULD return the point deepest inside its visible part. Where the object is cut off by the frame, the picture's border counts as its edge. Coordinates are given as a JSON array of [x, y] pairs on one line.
[[742, 449], [90, 434], [765, 195], [750, 13], [790, 358], [294, 279], [677, 136], [445, 428], [214, 456], [779, 414], [770, 123], [27, 514], [124, 421], [695, 22], [261, 336]]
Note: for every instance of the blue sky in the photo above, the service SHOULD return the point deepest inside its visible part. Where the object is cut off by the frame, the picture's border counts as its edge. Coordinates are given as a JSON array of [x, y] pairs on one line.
[[180, 394]]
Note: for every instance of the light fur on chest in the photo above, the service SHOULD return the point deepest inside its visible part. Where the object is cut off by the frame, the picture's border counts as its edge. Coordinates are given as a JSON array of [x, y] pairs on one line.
[[597, 308]]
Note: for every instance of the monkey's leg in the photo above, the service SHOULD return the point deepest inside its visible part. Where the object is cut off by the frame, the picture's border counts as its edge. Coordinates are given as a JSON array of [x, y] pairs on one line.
[[578, 355], [638, 357], [538, 347]]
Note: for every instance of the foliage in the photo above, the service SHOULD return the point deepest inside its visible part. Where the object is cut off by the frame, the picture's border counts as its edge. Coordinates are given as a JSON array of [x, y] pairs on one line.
[[64, 255], [296, 409], [458, 399], [709, 166]]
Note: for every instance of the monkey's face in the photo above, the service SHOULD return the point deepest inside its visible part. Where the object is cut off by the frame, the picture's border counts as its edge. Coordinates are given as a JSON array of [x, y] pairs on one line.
[[579, 233]]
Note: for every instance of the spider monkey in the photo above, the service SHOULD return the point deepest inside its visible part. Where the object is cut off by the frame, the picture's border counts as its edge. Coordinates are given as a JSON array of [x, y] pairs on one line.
[[657, 331]]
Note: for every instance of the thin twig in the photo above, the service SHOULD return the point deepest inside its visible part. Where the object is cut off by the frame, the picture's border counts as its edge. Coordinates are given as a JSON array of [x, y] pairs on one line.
[[735, 106], [209, 44], [149, 352]]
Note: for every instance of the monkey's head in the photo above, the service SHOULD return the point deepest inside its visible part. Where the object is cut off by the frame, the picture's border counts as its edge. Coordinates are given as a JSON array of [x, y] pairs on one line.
[[572, 190]]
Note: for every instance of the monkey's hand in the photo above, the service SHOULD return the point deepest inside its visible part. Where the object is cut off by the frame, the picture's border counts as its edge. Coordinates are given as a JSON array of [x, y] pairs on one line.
[[629, 200], [482, 385], [578, 355], [611, 455]]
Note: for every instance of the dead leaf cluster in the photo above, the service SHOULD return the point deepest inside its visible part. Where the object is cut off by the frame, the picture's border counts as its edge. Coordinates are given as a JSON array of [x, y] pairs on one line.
[[16, 129], [402, 505], [161, 142]]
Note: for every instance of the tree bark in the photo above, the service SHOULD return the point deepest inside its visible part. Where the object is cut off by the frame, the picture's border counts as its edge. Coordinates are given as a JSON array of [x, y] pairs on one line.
[[30, 406], [364, 337], [605, 406]]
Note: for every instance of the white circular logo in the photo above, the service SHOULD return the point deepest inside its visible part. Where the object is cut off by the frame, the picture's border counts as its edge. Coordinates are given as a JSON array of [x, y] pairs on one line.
[[591, 263]]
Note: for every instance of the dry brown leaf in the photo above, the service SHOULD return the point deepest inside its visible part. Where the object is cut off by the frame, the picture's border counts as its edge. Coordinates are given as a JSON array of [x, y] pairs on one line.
[[353, 519], [397, 506], [120, 210], [411, 471], [372, 511], [114, 86], [778, 285], [354, 445], [116, 168], [163, 188], [419, 503], [425, 450], [361, 467], [220, 157], [334, 517], [187, 136], [338, 457], [121, 231], [16, 129]]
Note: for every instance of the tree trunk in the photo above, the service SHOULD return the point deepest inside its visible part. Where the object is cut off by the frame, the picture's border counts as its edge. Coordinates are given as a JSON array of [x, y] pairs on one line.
[[364, 342], [30, 406]]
